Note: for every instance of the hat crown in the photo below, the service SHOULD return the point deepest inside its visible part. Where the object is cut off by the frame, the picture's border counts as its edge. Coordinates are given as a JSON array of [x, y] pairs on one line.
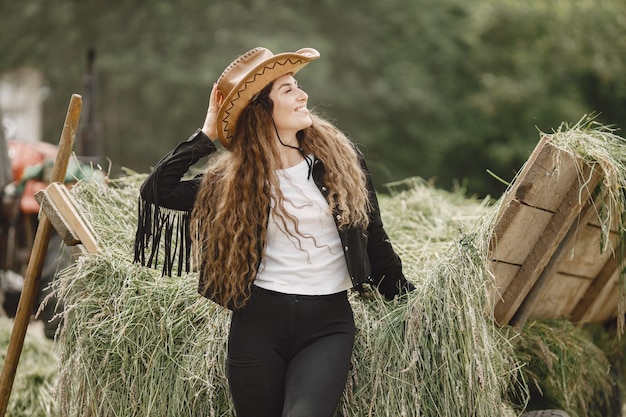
[[241, 67]]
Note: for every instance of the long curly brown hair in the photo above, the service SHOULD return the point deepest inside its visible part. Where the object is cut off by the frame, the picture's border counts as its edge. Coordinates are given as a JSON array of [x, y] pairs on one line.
[[232, 208]]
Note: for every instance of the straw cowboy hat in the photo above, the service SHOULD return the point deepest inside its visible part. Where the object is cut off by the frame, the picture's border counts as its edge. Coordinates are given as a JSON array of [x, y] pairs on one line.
[[248, 75]]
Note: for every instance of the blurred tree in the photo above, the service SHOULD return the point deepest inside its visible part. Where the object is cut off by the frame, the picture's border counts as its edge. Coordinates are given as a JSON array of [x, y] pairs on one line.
[[443, 89]]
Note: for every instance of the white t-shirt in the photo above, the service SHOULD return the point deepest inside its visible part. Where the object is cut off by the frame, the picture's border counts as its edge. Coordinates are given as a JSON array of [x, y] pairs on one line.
[[311, 262]]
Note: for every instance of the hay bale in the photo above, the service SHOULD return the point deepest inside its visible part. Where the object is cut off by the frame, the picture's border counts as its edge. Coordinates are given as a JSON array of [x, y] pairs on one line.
[[31, 394], [565, 369], [150, 345], [135, 343]]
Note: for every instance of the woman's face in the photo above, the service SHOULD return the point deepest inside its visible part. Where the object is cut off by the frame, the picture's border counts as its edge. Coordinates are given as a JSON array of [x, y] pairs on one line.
[[289, 106]]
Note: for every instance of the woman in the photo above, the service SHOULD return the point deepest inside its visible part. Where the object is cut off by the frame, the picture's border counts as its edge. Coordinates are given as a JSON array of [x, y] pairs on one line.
[[284, 221]]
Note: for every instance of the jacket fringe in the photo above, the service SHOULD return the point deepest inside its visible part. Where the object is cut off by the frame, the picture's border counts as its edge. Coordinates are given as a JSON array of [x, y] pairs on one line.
[[161, 229], [163, 234]]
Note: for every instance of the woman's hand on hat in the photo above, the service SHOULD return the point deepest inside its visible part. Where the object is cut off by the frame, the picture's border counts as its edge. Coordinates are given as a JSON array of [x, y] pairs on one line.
[[210, 122]]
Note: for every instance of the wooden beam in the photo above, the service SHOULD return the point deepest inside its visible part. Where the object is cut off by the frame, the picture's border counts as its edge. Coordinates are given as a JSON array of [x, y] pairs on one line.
[[544, 249], [63, 228], [595, 289], [524, 310], [35, 263], [549, 174], [66, 216]]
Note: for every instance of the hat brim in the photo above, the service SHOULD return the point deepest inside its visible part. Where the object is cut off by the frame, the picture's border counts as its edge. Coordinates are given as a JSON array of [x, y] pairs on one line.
[[256, 79]]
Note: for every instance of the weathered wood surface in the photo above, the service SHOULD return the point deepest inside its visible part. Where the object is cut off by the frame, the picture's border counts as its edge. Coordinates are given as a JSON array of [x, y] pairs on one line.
[[67, 217], [546, 249], [35, 264]]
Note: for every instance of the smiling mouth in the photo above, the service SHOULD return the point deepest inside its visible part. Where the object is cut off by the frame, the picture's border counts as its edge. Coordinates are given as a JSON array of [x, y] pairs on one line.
[[302, 110]]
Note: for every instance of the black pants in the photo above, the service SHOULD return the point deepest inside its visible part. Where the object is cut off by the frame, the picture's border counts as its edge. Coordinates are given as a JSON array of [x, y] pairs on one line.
[[289, 355]]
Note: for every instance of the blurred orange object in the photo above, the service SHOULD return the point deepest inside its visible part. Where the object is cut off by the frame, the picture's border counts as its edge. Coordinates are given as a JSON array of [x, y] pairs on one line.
[[24, 154], [28, 203]]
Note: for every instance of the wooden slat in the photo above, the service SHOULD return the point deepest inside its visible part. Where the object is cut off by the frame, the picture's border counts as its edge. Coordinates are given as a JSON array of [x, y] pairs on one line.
[[35, 263], [72, 215], [64, 229], [504, 274], [78, 250], [517, 231], [615, 218], [586, 258], [601, 281], [534, 156], [550, 174], [560, 293], [614, 223], [605, 306], [527, 306], [544, 249]]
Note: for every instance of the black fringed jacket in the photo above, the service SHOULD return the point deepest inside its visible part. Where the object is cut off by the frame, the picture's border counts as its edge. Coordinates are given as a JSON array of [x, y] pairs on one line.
[[166, 201]]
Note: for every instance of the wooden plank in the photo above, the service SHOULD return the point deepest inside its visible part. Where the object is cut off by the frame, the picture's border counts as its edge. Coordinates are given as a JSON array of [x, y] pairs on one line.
[[545, 255], [78, 250], [35, 263], [503, 274], [601, 281], [602, 205], [553, 302], [67, 234], [614, 226], [586, 258], [534, 156], [525, 309], [545, 248], [605, 306], [72, 215], [551, 173], [517, 231]]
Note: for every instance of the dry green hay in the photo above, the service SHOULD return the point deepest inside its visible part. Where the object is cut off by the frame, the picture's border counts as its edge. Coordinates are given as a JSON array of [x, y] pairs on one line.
[[138, 344], [565, 369], [31, 394], [135, 343], [600, 147]]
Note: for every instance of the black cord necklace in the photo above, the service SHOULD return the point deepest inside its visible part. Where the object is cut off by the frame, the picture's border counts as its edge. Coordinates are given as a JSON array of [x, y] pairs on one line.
[[307, 158]]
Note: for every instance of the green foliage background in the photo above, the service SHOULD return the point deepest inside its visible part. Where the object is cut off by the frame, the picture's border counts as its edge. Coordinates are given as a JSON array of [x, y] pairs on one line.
[[443, 89]]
